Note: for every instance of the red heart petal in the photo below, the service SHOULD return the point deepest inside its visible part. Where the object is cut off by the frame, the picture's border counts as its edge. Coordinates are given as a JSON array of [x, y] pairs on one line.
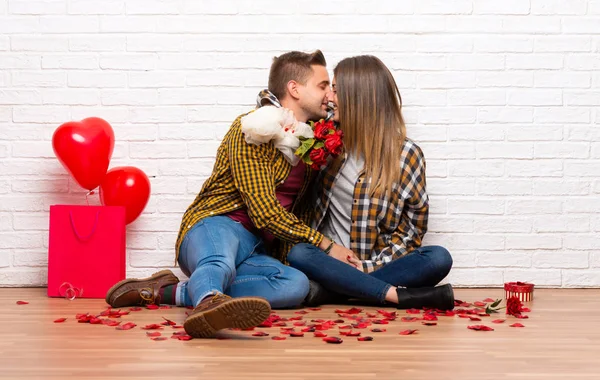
[[296, 334], [408, 332], [353, 310], [278, 338], [378, 330], [489, 300], [152, 307], [126, 326], [333, 340], [480, 304], [135, 309], [408, 319], [153, 326], [182, 337], [480, 328], [413, 311], [320, 334], [153, 334], [429, 323], [380, 322], [498, 320], [260, 333], [168, 322], [22, 303], [365, 338], [157, 338], [387, 314], [516, 325], [60, 320]]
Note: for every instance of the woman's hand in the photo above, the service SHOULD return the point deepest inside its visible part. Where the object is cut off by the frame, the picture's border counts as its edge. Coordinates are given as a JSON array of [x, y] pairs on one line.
[[345, 255], [354, 261]]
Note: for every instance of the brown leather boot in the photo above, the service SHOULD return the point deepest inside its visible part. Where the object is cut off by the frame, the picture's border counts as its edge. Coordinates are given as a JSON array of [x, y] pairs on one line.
[[140, 291], [220, 312]]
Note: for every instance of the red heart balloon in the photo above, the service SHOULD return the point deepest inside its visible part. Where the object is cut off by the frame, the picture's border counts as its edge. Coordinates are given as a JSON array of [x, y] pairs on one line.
[[126, 186], [84, 148]]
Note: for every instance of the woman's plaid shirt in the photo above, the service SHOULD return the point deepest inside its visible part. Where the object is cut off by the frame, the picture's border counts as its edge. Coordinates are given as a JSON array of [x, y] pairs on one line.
[[383, 229], [246, 175]]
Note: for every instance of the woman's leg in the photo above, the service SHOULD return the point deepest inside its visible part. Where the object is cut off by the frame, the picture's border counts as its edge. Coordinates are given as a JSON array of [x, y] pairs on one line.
[[425, 266], [335, 275], [345, 279]]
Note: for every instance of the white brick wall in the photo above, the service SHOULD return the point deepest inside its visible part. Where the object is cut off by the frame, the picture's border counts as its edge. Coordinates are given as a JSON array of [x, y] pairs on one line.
[[503, 97]]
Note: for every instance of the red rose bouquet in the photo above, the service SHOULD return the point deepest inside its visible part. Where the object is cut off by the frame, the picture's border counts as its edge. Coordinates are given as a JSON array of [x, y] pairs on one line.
[[327, 141]]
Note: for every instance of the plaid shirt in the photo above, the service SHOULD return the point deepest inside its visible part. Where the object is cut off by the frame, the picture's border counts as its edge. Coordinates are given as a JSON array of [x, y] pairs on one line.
[[246, 176], [383, 229]]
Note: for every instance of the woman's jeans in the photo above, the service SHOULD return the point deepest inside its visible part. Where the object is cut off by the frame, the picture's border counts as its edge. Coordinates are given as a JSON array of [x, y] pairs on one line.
[[425, 266]]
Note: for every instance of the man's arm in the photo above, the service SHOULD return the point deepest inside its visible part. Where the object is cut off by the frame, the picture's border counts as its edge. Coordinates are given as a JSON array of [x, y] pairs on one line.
[[253, 175]]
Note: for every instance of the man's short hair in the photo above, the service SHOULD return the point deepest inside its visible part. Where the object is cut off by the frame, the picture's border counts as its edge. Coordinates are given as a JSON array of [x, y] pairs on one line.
[[294, 65]]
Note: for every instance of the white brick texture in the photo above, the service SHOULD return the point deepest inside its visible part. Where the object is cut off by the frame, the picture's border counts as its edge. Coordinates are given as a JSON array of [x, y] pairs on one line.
[[503, 97]]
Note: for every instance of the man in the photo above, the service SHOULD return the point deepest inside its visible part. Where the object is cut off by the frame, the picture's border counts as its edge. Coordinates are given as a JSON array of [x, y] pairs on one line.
[[246, 205]]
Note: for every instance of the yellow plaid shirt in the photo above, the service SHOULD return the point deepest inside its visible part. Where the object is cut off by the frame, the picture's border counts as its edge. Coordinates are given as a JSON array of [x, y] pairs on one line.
[[246, 176], [382, 229]]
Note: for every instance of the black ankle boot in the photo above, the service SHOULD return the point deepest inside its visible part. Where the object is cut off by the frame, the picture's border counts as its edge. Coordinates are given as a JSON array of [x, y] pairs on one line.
[[439, 297], [318, 295]]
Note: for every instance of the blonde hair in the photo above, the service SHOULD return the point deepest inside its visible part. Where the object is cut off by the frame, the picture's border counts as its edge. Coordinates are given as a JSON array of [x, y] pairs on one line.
[[370, 115]]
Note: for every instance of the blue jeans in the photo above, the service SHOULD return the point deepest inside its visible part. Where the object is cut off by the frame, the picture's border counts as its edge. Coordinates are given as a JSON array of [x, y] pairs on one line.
[[425, 266], [219, 255]]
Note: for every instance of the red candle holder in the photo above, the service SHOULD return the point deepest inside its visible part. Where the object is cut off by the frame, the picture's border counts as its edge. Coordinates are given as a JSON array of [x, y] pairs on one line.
[[521, 290]]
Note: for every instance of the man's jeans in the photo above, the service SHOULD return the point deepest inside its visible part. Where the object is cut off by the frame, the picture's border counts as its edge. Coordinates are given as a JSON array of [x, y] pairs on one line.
[[221, 256], [425, 266]]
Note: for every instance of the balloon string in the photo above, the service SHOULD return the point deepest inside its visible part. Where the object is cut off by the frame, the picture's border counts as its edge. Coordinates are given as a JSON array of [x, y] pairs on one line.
[[91, 192], [69, 291]]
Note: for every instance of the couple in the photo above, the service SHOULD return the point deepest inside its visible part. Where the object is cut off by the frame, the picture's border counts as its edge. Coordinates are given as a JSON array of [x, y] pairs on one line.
[[355, 228]]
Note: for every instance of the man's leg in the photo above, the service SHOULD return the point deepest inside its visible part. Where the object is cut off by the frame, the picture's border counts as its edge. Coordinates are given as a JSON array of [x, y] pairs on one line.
[[264, 276], [425, 266], [210, 253], [207, 255]]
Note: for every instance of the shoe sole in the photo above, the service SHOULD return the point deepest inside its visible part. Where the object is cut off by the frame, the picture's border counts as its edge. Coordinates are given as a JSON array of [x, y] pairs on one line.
[[113, 289], [241, 313]]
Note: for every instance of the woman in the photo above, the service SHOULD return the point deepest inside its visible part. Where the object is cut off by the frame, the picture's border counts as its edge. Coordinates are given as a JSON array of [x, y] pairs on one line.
[[373, 201]]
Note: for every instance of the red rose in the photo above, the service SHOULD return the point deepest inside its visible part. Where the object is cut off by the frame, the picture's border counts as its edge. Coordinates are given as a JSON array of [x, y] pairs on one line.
[[333, 143], [321, 130], [513, 306], [318, 157]]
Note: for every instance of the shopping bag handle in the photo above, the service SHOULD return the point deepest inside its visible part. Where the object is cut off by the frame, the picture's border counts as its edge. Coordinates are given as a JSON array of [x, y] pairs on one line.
[[84, 238]]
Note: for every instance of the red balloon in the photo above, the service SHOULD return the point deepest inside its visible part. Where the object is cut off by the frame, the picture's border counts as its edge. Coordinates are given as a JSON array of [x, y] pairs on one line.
[[84, 148], [126, 186]]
